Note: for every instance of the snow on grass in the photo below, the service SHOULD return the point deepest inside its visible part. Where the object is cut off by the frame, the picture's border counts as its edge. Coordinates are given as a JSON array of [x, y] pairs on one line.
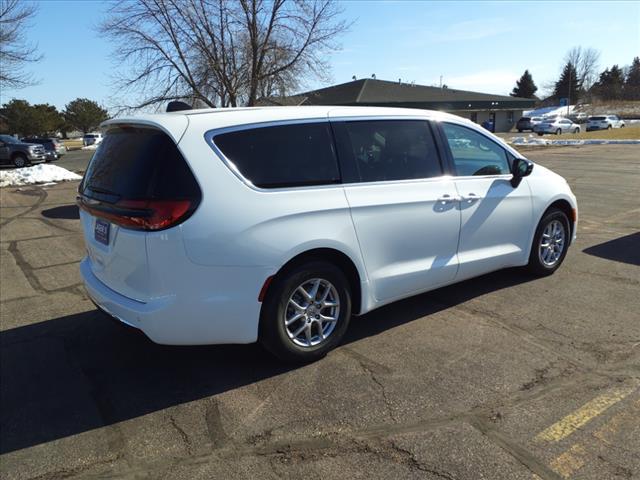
[[532, 141], [43, 173], [549, 111]]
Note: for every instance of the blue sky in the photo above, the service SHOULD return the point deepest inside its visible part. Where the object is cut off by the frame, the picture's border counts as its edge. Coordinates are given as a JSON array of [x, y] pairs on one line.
[[482, 46]]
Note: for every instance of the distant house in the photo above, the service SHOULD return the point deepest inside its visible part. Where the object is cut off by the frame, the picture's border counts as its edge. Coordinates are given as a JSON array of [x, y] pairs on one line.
[[478, 107]]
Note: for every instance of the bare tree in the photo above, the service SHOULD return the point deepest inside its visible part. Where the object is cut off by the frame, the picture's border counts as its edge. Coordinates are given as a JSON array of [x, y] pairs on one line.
[[585, 61], [15, 51], [220, 52]]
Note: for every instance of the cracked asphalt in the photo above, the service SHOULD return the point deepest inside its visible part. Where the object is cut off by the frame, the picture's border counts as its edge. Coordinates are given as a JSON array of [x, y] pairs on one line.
[[500, 377]]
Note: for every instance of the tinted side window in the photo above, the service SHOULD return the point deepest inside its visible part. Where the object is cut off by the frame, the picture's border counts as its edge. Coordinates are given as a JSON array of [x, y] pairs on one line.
[[390, 150], [473, 153], [284, 155]]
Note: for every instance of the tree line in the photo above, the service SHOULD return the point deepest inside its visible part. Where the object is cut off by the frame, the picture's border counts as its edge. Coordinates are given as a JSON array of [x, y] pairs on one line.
[[19, 117], [579, 80]]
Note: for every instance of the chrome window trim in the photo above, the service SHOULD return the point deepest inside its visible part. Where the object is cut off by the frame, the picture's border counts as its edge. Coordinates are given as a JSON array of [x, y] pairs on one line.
[[209, 136]]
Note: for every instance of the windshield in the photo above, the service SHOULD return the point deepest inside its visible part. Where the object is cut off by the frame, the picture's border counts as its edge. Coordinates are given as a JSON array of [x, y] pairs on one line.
[[9, 139]]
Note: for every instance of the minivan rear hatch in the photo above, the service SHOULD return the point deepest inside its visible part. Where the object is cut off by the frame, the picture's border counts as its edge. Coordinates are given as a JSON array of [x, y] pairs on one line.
[[137, 182]]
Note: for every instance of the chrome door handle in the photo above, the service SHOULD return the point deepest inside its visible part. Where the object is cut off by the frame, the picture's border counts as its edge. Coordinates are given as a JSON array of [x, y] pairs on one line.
[[446, 199]]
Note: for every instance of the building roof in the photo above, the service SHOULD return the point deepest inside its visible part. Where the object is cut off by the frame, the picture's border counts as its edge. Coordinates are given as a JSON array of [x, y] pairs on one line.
[[374, 92]]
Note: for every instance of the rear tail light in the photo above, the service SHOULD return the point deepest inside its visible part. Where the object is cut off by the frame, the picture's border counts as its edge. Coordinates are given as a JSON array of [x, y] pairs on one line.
[[150, 215]]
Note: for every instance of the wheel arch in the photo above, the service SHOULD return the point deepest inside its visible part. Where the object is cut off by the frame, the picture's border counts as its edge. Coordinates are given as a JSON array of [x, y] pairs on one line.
[[335, 257], [565, 207]]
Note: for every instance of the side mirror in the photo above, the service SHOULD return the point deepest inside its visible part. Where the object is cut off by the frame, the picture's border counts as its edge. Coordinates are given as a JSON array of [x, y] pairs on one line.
[[521, 168]]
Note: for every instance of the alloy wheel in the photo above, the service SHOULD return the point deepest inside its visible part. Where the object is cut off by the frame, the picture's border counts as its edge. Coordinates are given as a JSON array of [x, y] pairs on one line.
[[552, 243], [312, 312]]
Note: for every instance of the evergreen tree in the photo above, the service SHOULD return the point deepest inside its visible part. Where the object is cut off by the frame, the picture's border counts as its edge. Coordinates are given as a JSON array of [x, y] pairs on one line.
[[568, 85], [632, 83], [610, 84], [525, 88]]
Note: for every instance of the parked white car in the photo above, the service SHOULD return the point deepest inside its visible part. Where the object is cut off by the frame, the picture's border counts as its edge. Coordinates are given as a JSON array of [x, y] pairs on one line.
[[91, 139], [556, 126], [604, 122], [277, 224]]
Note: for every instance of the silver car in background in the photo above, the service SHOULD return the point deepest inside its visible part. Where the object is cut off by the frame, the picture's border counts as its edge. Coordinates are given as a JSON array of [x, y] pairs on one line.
[[556, 126], [604, 122]]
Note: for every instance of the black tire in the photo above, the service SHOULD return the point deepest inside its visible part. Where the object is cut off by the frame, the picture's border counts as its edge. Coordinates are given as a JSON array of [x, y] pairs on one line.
[[519, 130], [20, 160], [576, 130], [272, 332], [540, 134], [558, 131], [621, 126], [536, 266], [609, 127]]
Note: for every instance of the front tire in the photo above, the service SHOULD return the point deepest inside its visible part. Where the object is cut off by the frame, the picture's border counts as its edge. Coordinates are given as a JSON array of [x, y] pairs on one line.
[[306, 312], [20, 161], [550, 243]]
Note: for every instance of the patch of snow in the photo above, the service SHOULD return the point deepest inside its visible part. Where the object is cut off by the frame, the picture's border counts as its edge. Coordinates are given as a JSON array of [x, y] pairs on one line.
[[553, 111], [43, 173], [544, 141]]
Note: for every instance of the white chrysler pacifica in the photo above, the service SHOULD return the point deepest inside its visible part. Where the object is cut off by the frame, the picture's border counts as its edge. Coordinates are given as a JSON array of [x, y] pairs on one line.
[[277, 224]]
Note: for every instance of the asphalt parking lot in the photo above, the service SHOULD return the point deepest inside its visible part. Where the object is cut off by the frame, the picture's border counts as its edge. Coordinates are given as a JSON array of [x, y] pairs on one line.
[[500, 377]]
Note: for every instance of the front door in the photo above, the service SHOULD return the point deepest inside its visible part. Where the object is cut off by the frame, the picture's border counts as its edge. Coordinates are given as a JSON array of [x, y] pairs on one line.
[[405, 212], [496, 219]]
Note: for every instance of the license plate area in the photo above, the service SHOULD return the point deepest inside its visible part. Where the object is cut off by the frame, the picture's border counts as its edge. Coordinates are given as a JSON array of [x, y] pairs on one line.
[[101, 231]]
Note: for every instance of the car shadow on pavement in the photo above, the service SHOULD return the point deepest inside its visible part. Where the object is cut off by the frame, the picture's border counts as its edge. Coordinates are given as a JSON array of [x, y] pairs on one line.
[[66, 212], [80, 372], [624, 249]]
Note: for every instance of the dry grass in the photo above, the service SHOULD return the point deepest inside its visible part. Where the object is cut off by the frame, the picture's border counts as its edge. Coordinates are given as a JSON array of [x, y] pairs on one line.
[[626, 133], [73, 143]]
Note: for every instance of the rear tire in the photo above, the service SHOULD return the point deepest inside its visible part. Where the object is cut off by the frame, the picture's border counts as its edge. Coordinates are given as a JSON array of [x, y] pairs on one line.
[[540, 134], [609, 127], [20, 160], [576, 130], [550, 243], [291, 323], [519, 131], [558, 131]]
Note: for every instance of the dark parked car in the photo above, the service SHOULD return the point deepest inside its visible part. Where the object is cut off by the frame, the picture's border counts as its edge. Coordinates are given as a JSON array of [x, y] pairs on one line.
[[527, 123], [54, 148], [19, 153]]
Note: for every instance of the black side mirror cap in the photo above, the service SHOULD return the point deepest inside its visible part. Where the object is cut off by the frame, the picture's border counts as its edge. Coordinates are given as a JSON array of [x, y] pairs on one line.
[[521, 168]]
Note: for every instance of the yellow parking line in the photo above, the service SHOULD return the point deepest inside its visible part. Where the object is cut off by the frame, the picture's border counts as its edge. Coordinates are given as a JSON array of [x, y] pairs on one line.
[[576, 456], [570, 461], [583, 415]]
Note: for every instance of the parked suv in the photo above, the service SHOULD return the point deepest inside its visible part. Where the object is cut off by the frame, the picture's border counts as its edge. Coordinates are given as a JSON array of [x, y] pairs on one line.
[[527, 123], [277, 224], [19, 153], [91, 139], [604, 122], [53, 148]]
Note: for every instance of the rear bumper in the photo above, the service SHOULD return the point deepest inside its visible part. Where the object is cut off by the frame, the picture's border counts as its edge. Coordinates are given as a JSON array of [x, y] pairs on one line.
[[199, 317]]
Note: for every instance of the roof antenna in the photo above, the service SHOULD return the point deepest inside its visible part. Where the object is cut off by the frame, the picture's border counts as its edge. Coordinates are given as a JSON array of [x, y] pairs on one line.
[[177, 106]]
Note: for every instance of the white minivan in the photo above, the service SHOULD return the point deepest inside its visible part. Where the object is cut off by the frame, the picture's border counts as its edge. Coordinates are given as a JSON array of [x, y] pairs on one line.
[[277, 224]]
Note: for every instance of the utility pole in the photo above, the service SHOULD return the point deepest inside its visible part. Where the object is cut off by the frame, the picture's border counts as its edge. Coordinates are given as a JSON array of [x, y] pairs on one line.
[[569, 92]]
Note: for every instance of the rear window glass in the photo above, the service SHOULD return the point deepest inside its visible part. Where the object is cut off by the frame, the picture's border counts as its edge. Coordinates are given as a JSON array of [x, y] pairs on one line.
[[598, 118], [525, 119], [138, 163], [283, 156]]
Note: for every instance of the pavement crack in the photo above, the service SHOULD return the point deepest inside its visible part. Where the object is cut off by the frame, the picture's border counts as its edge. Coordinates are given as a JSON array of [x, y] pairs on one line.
[[25, 268], [370, 371], [408, 458], [182, 433]]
